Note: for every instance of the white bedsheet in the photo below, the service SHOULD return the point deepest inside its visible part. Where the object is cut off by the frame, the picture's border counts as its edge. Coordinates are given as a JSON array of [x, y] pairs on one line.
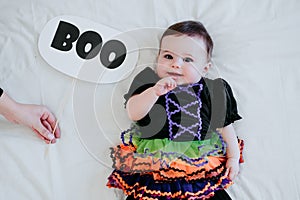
[[256, 51]]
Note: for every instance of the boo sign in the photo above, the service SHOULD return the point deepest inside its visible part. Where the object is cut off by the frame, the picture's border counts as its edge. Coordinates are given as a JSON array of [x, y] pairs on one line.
[[87, 50]]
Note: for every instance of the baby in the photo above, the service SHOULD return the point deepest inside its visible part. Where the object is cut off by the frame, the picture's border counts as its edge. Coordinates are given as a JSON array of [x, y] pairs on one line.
[[182, 144]]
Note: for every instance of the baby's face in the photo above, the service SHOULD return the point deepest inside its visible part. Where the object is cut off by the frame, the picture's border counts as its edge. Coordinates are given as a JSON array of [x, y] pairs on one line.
[[182, 58]]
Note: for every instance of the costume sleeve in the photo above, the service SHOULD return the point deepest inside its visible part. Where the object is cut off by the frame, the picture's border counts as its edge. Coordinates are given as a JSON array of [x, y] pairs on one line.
[[231, 106], [1, 92], [223, 104], [145, 79]]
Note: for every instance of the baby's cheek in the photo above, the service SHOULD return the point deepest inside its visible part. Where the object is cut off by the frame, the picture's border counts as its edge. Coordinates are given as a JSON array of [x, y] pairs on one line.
[[194, 77], [161, 71]]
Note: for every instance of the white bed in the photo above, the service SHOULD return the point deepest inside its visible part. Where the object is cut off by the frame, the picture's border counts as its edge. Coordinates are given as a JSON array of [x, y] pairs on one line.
[[256, 51]]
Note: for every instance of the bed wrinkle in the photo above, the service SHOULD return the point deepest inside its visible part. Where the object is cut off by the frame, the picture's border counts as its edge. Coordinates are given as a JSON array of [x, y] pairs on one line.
[[33, 14], [28, 178]]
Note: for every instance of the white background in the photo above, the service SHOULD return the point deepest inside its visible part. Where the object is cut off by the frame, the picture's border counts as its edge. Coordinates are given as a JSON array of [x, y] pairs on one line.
[[256, 51]]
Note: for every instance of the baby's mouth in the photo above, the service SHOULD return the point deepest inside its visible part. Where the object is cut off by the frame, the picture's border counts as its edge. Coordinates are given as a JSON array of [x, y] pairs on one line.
[[173, 74]]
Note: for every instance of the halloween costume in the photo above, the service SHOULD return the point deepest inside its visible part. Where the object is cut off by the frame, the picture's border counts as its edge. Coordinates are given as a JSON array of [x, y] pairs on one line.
[[175, 151]]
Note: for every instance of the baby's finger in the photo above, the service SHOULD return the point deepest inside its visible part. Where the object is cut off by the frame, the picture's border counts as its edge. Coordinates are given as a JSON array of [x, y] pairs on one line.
[[172, 83], [232, 176], [227, 172], [169, 82]]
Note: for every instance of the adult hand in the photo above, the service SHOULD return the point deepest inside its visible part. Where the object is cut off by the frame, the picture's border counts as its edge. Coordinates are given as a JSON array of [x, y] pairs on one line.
[[36, 117], [40, 120]]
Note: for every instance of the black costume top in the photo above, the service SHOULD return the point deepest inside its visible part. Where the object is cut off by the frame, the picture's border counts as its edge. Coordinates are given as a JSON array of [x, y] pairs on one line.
[[213, 103]]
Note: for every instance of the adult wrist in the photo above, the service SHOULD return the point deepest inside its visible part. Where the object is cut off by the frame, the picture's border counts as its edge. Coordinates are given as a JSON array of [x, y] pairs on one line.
[[8, 107]]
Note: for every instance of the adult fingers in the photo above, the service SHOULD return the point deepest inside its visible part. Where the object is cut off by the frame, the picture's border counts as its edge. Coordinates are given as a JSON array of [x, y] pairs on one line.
[[41, 137], [42, 130], [49, 128], [50, 119], [47, 125]]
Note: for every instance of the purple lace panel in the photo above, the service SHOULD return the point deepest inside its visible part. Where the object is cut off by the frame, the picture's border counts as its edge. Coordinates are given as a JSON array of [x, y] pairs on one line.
[[182, 128]]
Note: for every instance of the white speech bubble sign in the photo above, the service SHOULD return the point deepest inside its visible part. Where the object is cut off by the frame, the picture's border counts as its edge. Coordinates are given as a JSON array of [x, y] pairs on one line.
[[96, 67]]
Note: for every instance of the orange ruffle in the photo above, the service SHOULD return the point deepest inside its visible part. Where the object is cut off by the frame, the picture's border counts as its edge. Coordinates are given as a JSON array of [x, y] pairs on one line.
[[125, 159]]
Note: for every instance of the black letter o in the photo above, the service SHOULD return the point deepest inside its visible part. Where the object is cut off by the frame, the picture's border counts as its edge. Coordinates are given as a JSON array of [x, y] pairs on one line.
[[89, 37], [113, 46]]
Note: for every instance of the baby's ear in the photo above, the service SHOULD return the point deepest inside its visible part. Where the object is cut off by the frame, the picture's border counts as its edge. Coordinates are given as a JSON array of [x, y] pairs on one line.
[[207, 67]]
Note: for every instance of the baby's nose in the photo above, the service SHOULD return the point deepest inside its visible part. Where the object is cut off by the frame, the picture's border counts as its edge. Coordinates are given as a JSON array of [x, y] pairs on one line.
[[177, 63]]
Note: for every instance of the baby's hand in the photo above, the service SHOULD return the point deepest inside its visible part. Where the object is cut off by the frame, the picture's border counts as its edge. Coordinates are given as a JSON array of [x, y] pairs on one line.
[[233, 168], [164, 85]]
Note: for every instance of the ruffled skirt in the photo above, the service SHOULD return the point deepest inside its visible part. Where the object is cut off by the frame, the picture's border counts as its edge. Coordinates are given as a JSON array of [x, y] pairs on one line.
[[164, 169]]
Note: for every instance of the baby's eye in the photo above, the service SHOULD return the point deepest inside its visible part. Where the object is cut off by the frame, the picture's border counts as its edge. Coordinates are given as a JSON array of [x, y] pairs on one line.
[[188, 60], [168, 56]]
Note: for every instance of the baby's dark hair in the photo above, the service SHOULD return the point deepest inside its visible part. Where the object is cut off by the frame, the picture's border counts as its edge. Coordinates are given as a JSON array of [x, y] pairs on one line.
[[191, 28]]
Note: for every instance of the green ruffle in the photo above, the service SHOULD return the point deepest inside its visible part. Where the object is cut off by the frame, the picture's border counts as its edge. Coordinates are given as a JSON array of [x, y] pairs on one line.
[[191, 149]]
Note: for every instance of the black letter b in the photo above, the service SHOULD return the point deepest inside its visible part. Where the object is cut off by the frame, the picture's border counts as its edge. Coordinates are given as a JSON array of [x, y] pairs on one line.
[[65, 35]]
